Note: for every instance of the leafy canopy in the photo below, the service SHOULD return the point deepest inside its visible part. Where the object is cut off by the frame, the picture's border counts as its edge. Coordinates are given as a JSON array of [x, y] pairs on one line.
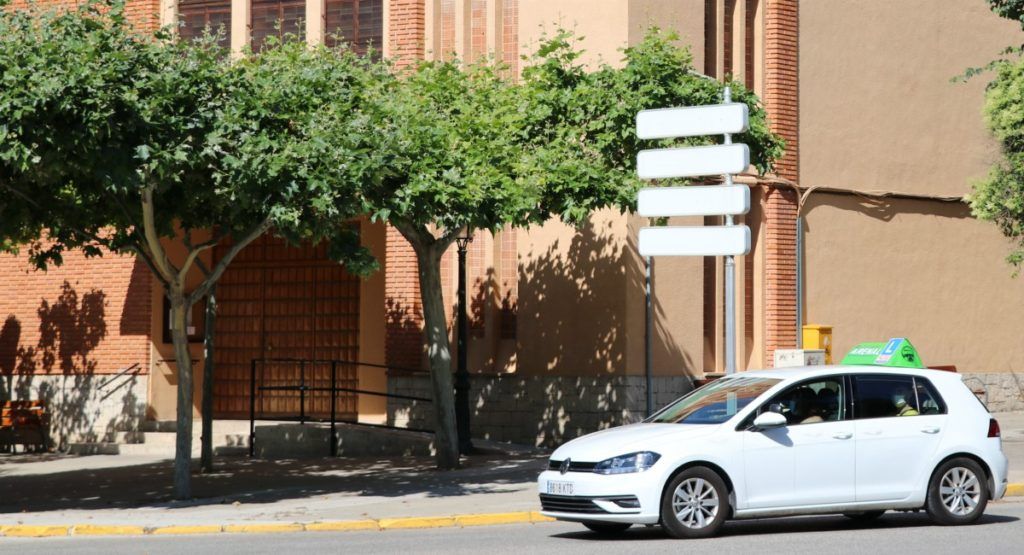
[[95, 117]]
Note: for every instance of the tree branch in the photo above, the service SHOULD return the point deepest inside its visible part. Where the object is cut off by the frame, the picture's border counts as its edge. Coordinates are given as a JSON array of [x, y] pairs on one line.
[[222, 264], [155, 250], [195, 251]]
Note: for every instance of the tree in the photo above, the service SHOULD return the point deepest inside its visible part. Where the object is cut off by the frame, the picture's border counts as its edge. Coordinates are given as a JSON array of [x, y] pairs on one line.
[[117, 142], [464, 147], [999, 197]]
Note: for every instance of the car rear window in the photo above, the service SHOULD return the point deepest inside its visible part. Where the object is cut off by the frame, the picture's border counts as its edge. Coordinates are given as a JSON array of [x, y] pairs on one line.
[[883, 396]]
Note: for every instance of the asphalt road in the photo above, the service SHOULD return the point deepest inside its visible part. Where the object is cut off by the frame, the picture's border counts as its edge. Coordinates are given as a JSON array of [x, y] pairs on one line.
[[1000, 531]]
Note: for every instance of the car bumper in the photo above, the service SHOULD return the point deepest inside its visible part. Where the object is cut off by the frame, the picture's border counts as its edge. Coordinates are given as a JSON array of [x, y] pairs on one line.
[[598, 492]]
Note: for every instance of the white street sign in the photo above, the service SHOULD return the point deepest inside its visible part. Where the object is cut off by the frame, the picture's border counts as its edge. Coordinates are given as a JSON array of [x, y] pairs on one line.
[[695, 241], [691, 162], [692, 121], [726, 200]]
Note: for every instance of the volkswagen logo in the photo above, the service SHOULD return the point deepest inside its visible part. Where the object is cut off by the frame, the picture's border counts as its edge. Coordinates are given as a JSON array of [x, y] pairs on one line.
[[565, 466]]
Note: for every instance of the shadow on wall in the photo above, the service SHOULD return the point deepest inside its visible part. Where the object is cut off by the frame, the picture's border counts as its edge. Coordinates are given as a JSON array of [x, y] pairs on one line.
[[59, 369], [572, 376]]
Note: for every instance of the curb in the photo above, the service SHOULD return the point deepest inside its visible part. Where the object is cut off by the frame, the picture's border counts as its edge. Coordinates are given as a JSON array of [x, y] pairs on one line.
[[454, 521]]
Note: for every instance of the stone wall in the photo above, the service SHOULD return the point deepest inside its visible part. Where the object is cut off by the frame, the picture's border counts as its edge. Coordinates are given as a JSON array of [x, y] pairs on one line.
[[548, 411], [543, 411], [1001, 392], [84, 408]]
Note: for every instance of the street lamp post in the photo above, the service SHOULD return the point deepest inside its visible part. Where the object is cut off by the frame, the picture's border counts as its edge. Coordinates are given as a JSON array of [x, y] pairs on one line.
[[461, 373]]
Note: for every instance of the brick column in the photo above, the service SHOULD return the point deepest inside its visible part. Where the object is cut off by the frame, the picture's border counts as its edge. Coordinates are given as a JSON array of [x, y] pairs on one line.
[[404, 318], [782, 102]]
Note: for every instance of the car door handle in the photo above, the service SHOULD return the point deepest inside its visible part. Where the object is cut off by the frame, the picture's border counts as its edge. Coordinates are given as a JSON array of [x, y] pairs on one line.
[[872, 432], [931, 430], [842, 435]]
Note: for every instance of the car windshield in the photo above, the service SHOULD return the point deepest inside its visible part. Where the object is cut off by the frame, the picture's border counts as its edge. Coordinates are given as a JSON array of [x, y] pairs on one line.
[[714, 403]]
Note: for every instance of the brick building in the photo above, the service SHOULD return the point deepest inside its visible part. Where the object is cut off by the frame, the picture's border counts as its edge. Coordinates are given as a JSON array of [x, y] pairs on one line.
[[880, 149]]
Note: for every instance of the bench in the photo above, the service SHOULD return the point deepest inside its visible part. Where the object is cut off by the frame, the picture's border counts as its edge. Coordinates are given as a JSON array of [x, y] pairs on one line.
[[24, 423]]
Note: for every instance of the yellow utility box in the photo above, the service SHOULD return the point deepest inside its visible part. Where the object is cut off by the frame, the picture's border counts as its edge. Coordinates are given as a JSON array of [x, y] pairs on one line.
[[819, 337]]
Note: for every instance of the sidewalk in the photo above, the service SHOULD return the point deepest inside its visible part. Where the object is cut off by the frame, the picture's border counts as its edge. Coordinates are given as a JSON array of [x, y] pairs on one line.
[[134, 492]]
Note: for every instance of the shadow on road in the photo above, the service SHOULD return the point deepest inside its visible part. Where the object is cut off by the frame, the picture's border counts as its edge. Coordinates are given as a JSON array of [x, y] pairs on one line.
[[259, 481], [831, 523]]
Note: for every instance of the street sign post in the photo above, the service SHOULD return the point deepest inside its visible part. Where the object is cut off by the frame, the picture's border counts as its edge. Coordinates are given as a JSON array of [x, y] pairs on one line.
[[728, 201], [726, 240], [657, 202], [692, 121]]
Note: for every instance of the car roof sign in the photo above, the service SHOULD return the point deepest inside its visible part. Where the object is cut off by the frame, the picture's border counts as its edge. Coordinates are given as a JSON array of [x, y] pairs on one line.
[[895, 353]]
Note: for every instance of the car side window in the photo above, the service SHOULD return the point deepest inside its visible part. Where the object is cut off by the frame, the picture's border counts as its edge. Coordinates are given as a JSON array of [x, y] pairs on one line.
[[928, 398], [821, 400], [884, 396]]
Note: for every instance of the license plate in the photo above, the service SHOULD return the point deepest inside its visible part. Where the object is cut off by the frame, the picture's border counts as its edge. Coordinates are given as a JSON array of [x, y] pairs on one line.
[[560, 488]]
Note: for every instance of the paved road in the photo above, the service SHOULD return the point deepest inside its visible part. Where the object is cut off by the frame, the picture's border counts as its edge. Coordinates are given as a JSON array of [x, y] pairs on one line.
[[1001, 531]]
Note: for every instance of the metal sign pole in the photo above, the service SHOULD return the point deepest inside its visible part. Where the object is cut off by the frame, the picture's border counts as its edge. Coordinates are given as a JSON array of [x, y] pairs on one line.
[[730, 279]]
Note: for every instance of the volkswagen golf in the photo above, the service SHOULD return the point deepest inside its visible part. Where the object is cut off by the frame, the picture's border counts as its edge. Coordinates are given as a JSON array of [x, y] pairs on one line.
[[856, 440]]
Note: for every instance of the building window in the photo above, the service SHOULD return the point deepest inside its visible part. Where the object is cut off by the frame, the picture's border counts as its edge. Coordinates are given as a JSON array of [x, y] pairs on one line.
[[195, 16], [360, 23], [277, 18]]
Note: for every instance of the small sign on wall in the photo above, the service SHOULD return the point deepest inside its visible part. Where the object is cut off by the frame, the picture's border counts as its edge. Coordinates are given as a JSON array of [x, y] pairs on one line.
[[196, 321]]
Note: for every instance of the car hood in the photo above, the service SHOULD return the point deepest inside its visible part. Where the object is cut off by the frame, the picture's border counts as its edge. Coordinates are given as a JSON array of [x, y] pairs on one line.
[[612, 442]]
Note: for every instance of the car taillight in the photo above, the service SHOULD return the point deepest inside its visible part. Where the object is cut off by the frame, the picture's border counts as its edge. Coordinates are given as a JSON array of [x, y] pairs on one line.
[[993, 428]]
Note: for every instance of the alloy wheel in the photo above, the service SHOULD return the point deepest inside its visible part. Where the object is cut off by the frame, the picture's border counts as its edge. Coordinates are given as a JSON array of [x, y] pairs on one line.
[[960, 491], [695, 503]]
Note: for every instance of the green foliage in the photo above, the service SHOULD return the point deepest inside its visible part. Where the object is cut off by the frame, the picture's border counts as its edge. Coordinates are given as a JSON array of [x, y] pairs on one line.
[[94, 116], [461, 145], [1009, 9], [1000, 196], [582, 123]]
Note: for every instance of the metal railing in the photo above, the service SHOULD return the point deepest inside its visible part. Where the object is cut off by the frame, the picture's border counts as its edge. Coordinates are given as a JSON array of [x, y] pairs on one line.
[[302, 388]]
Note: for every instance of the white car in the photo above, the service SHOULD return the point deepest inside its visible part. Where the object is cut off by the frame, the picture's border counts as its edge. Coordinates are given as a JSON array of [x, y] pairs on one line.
[[855, 440]]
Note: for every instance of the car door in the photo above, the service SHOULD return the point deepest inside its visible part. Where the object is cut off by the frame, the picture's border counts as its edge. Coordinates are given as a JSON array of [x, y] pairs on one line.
[[899, 420], [810, 461]]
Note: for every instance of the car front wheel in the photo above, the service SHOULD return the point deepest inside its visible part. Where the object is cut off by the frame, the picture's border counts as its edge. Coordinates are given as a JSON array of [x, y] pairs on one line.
[[957, 493], [695, 504]]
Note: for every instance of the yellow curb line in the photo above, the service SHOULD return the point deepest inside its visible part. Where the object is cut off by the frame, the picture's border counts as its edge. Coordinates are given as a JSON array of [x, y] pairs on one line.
[[417, 522], [262, 528], [343, 526], [101, 530], [182, 530], [1014, 490], [484, 519], [33, 531]]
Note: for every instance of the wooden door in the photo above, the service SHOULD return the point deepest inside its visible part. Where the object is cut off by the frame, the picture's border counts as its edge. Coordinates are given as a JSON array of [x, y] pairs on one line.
[[281, 302]]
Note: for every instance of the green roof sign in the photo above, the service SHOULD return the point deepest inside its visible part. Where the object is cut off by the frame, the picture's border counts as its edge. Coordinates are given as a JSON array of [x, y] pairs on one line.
[[896, 353]]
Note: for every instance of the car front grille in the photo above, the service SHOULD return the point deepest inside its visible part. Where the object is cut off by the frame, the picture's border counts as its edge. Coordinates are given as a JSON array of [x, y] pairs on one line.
[[586, 505], [573, 466]]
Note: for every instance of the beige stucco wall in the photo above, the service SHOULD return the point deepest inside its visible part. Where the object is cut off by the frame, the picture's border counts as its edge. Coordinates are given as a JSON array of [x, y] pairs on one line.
[[604, 25], [877, 108], [914, 269], [686, 17], [372, 408]]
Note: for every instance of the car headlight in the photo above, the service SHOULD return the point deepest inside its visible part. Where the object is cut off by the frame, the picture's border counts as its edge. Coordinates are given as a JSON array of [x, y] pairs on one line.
[[623, 464]]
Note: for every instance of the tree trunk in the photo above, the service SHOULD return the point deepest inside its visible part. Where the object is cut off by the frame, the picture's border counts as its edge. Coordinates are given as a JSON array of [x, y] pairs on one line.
[[439, 356], [206, 458], [183, 444]]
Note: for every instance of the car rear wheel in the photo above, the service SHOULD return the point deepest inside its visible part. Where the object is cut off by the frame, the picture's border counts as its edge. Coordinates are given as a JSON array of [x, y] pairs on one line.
[[957, 493], [607, 528], [695, 504]]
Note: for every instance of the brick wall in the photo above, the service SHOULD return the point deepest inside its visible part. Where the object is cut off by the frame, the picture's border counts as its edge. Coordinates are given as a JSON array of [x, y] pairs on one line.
[[782, 102], [88, 316], [407, 19], [145, 14]]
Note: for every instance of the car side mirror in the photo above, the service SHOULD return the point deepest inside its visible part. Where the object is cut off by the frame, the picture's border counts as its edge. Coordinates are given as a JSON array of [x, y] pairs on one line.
[[768, 421]]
